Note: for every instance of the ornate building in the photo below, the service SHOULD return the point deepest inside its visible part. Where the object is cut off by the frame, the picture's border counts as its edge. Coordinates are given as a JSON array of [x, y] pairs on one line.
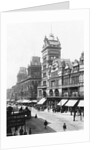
[[51, 49], [27, 81], [61, 78], [22, 74]]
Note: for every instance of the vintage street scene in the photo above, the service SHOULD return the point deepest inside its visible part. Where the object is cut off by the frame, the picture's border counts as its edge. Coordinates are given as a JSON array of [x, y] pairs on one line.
[[48, 92]]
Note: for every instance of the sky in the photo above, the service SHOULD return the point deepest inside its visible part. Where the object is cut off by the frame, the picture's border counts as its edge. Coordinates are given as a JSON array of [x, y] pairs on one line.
[[25, 40]]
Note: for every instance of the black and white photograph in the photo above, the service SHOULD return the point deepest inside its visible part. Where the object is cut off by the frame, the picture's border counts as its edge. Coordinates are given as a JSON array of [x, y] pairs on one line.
[[47, 94], [45, 70]]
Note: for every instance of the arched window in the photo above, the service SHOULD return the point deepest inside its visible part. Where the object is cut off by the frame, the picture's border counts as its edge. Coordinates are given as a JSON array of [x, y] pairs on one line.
[[44, 93], [51, 92], [56, 92]]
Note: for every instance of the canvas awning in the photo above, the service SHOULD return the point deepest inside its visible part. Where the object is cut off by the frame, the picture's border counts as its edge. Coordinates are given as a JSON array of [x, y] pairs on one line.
[[26, 101], [41, 101], [71, 103], [33, 101], [81, 103], [62, 102], [19, 101]]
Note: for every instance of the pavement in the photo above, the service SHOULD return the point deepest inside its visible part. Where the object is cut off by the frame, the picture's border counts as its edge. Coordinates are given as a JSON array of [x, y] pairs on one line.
[[55, 122]]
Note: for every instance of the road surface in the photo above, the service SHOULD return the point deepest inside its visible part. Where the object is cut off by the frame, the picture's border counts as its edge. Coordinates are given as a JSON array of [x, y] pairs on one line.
[[55, 122]]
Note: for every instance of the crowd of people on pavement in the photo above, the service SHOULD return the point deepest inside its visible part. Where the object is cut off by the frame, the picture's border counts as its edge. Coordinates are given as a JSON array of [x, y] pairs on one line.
[[19, 131], [73, 111]]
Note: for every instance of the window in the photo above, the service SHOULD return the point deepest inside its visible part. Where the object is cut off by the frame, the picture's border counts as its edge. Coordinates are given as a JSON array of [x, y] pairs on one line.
[[40, 93], [51, 93], [56, 92], [44, 59], [66, 81], [57, 82], [44, 83], [44, 67], [44, 93], [52, 83], [75, 80], [81, 78], [44, 75]]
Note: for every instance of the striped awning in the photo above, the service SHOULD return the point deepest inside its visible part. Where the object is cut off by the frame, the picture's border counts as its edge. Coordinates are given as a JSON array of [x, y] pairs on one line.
[[41, 101], [62, 102], [71, 103], [81, 103]]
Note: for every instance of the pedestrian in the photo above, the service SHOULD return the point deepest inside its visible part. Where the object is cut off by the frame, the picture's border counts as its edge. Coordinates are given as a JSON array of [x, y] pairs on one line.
[[16, 128], [21, 131], [74, 115], [30, 131], [25, 132], [9, 132], [15, 133], [64, 126], [45, 124], [35, 115], [80, 114], [21, 109]]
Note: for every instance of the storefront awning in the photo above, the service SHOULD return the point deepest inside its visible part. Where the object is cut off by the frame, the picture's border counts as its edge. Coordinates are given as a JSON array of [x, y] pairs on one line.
[[23, 101], [33, 101], [41, 101], [71, 103], [62, 102], [19, 101], [81, 103], [26, 101]]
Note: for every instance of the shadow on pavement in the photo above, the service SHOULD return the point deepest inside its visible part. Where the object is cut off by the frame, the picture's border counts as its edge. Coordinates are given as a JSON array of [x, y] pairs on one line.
[[37, 126]]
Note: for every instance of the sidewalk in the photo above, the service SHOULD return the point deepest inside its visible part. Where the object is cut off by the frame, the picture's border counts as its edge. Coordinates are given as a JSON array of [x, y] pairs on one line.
[[57, 119], [37, 126], [55, 122]]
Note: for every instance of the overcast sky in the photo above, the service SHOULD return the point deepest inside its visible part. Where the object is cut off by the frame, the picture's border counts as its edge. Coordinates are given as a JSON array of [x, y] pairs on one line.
[[26, 40]]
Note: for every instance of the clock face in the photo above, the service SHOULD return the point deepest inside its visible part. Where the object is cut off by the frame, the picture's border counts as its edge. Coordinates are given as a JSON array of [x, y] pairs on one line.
[[35, 63]]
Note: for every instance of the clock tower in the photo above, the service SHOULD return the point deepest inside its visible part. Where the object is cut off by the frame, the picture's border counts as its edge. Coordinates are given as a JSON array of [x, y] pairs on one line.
[[51, 50]]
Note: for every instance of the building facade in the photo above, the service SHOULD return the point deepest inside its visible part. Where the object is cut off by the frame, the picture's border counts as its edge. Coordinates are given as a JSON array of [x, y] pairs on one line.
[[61, 78], [22, 74], [51, 50], [27, 81]]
